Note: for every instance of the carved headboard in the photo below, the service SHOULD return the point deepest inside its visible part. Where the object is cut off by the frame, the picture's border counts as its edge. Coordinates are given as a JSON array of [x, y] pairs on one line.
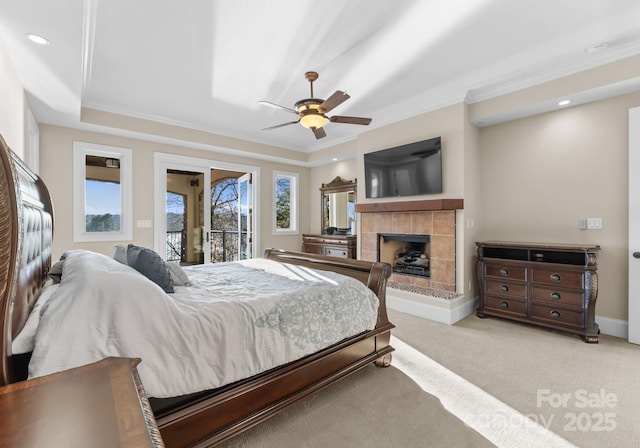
[[26, 233]]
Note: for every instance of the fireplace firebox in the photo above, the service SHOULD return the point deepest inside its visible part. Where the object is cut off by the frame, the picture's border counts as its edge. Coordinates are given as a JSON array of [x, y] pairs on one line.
[[408, 254]]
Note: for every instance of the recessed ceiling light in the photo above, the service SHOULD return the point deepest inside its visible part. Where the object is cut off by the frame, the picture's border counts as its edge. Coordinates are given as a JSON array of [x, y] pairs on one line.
[[564, 102], [335, 159], [37, 39], [597, 48]]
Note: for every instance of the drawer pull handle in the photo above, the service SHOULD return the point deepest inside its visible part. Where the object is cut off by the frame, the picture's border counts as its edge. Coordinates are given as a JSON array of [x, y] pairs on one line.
[[555, 295], [555, 314], [505, 288], [504, 305], [504, 272], [555, 277]]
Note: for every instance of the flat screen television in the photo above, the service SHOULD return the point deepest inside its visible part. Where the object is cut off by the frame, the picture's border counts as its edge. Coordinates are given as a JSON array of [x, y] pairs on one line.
[[407, 170]]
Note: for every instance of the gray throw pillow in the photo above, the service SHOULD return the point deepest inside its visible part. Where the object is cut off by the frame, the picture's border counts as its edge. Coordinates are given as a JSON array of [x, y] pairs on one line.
[[151, 265], [56, 271]]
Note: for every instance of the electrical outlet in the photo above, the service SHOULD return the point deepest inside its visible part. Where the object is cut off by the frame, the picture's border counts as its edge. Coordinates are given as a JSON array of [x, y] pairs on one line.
[[582, 224]]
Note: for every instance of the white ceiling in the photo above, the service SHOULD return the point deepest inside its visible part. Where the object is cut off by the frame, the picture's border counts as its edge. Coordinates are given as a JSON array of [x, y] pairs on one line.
[[206, 64]]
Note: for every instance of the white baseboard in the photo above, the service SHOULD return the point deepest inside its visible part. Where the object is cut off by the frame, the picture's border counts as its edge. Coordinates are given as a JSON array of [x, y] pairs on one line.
[[613, 327], [456, 310]]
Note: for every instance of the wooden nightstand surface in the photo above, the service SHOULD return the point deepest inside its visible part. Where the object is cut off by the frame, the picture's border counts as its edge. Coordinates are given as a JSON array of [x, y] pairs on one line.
[[98, 405]]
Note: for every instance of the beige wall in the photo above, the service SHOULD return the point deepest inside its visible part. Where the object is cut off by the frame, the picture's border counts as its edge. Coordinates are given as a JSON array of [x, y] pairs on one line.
[[541, 174], [527, 180], [469, 219], [447, 123], [13, 104], [56, 149]]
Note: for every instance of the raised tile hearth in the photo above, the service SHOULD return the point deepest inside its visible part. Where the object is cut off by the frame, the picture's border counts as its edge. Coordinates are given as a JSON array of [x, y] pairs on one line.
[[433, 304]]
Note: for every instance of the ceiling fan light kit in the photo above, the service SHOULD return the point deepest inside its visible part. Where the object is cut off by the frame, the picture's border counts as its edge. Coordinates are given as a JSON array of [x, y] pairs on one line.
[[312, 110], [310, 116]]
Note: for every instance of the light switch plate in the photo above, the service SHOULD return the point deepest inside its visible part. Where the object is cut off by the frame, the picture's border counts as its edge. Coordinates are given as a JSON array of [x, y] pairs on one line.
[[594, 223]]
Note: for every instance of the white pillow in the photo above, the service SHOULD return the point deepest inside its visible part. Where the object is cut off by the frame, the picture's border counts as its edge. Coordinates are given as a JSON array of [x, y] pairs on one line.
[[178, 275], [120, 253], [24, 342]]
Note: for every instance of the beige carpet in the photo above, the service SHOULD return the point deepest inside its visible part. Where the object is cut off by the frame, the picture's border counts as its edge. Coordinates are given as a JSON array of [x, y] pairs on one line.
[[506, 382], [351, 414], [589, 394]]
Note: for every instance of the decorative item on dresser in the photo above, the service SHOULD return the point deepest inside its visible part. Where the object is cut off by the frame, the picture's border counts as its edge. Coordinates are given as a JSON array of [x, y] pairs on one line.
[[341, 246], [551, 285], [98, 405]]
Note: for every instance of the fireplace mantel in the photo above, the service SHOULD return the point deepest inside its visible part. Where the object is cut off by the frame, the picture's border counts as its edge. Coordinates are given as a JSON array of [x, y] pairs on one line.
[[411, 206]]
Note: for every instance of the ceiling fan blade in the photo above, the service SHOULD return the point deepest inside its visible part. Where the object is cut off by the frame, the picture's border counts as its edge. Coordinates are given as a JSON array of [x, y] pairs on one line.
[[334, 100], [277, 106], [280, 125], [349, 120], [319, 132]]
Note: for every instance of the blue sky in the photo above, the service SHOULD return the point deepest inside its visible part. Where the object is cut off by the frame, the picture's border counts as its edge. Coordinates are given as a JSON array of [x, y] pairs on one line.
[[102, 197]]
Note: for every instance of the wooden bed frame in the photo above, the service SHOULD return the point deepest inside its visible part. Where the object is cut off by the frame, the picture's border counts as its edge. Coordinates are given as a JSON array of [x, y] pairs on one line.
[[207, 418]]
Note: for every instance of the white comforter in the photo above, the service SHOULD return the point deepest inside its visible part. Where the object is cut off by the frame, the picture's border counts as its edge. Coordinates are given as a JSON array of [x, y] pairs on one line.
[[239, 319]]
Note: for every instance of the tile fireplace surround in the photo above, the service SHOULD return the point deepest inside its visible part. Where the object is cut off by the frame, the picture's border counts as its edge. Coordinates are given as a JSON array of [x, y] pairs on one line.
[[417, 217]]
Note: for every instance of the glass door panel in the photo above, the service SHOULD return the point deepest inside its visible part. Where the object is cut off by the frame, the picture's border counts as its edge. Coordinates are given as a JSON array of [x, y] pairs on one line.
[[187, 223], [245, 196]]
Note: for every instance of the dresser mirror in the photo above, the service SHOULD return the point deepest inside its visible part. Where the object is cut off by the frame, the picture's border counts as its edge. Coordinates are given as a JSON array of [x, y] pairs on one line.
[[338, 199]]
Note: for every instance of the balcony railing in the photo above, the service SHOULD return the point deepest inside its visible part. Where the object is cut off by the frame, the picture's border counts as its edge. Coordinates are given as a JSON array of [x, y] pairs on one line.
[[224, 245], [175, 247]]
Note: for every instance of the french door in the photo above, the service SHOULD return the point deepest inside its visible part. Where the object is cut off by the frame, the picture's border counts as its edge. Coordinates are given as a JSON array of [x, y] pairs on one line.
[[245, 211], [186, 210], [191, 179], [634, 225]]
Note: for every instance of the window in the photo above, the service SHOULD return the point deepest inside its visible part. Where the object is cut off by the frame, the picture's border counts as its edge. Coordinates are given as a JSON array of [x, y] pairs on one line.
[[286, 202], [101, 193]]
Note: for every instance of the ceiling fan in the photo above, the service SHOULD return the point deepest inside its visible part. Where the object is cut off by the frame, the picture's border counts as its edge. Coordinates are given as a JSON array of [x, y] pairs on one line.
[[312, 111]]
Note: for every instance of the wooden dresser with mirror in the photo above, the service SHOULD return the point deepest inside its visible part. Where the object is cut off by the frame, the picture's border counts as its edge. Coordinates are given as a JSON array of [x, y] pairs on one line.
[[337, 201]]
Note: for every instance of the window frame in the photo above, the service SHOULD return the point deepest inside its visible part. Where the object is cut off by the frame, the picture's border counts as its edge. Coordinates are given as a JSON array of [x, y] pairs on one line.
[[294, 179], [80, 152]]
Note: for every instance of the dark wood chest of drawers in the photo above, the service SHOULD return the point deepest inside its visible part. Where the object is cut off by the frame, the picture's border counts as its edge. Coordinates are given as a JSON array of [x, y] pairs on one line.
[[341, 246], [551, 285]]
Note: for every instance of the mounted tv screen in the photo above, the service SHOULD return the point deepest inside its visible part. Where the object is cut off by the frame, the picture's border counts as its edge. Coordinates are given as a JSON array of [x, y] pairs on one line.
[[405, 170]]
